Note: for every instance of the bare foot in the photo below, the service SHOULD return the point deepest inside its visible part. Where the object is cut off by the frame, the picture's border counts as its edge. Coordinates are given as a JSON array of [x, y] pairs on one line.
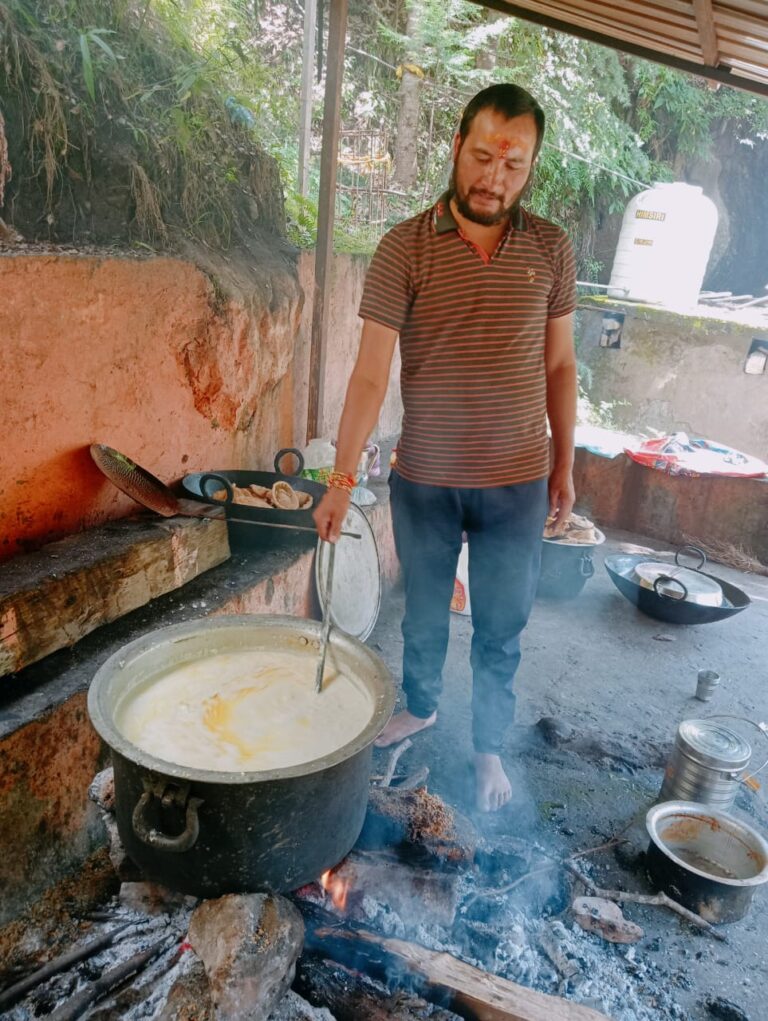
[[493, 788], [401, 726]]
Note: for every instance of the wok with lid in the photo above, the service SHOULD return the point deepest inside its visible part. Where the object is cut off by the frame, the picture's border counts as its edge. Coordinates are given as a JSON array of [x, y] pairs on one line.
[[672, 592]]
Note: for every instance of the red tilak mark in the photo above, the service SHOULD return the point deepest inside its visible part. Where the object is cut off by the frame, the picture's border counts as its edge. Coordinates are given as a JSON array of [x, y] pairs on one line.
[[503, 149]]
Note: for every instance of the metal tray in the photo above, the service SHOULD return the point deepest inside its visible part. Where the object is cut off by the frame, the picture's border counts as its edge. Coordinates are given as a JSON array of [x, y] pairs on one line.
[[356, 599]]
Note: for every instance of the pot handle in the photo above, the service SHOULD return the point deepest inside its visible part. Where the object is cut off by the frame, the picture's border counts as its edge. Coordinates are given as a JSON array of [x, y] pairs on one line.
[[221, 483], [284, 453], [762, 727], [586, 566], [168, 795], [664, 595], [694, 550]]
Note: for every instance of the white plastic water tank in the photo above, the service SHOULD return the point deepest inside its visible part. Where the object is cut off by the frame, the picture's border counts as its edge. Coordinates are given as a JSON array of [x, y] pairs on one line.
[[664, 246]]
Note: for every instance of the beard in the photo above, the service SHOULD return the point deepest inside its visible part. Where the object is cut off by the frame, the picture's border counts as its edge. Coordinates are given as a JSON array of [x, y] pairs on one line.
[[489, 219]]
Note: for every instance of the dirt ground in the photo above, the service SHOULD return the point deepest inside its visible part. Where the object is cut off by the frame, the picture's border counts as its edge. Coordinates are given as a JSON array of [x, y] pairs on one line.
[[622, 681]]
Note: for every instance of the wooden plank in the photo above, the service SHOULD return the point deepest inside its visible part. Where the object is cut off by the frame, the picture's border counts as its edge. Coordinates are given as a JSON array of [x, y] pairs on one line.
[[705, 21], [673, 41], [611, 14], [51, 599], [650, 13], [756, 7], [743, 28], [649, 49], [337, 33], [471, 993]]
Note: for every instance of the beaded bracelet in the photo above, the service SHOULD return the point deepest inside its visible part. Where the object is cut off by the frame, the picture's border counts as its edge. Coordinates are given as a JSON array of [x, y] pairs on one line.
[[340, 480]]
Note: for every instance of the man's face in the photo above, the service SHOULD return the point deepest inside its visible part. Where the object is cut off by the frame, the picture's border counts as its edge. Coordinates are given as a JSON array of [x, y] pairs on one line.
[[492, 166]]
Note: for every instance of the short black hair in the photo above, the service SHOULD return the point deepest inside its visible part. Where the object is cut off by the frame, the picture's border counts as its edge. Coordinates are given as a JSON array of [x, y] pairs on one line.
[[507, 99]]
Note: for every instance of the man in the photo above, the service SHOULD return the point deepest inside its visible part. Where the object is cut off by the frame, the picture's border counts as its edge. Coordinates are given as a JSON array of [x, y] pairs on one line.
[[481, 294]]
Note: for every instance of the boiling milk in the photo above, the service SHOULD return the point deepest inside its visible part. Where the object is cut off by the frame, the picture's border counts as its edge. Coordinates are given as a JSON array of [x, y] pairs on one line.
[[244, 711]]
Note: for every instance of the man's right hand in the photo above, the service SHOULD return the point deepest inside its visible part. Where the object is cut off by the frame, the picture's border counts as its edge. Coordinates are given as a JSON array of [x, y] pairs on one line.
[[330, 513]]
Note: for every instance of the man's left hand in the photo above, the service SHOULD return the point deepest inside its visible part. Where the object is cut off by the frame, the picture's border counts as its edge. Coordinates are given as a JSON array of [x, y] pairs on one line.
[[561, 496]]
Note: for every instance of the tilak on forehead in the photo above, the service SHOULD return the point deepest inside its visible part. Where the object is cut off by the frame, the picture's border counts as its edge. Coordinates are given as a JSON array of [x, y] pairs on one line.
[[504, 144]]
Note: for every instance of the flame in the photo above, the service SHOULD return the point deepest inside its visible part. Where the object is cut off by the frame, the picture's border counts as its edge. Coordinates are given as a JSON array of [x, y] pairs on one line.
[[337, 889]]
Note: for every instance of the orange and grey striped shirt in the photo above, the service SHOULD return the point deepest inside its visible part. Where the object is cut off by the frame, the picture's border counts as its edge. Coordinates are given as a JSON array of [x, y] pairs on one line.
[[472, 332]]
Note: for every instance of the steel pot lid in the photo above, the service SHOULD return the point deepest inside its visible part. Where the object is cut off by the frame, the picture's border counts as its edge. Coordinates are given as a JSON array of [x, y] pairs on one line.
[[356, 597], [679, 583], [711, 744]]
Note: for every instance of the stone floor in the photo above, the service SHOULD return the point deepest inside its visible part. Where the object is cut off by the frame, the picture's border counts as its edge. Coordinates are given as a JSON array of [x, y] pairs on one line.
[[599, 666]]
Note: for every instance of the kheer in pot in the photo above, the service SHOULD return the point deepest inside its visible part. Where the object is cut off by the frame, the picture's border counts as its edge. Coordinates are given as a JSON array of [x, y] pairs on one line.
[[246, 710]]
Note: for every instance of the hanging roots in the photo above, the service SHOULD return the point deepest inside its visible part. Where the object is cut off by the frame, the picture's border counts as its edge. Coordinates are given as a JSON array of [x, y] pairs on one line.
[[5, 164], [147, 203]]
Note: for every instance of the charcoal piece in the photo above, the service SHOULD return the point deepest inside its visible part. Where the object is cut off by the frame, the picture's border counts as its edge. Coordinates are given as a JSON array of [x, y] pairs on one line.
[[725, 1010]]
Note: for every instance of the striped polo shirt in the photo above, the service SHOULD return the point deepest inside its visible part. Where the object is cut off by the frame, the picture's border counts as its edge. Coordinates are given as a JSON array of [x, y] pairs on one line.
[[472, 332]]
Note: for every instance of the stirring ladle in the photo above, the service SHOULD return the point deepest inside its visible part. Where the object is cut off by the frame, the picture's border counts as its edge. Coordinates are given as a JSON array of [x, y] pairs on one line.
[[325, 630], [146, 489]]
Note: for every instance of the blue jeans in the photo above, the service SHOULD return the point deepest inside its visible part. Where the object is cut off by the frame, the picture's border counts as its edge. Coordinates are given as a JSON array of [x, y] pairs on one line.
[[504, 527]]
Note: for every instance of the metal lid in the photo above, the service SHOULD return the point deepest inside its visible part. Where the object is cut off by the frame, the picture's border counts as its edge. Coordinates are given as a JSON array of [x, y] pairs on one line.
[[712, 744], [699, 588], [356, 595]]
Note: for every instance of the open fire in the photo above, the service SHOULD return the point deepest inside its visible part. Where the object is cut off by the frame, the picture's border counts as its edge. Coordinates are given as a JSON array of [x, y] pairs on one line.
[[337, 889], [470, 921]]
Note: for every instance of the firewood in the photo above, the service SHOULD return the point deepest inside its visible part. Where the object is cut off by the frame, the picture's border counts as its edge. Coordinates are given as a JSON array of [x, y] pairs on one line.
[[661, 900], [351, 996], [79, 1003], [20, 989], [415, 894], [419, 826], [395, 754], [471, 993]]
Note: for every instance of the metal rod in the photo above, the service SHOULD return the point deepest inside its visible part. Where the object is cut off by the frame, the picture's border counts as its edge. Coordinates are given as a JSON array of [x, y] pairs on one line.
[[326, 628], [265, 524]]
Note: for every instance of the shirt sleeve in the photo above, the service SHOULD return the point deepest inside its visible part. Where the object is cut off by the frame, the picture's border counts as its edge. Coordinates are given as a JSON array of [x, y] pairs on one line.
[[562, 297], [388, 293]]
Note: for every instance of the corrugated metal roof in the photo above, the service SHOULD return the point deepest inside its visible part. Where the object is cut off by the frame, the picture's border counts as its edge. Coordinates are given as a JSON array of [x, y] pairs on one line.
[[727, 42]]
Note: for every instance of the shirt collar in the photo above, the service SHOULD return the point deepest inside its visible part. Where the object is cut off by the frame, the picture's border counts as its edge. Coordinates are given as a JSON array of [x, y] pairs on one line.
[[443, 219]]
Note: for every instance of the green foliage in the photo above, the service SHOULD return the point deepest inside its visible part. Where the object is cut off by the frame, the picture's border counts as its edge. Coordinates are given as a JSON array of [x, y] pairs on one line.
[[148, 81], [677, 113], [140, 87]]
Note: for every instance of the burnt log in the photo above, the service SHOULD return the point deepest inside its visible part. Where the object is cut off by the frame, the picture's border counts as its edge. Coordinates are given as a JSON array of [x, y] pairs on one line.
[[351, 996], [473, 994], [416, 894], [417, 826], [20, 989]]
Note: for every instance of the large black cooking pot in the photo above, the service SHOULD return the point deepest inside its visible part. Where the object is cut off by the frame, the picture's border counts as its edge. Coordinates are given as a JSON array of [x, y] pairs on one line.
[[202, 485], [208, 833], [672, 607]]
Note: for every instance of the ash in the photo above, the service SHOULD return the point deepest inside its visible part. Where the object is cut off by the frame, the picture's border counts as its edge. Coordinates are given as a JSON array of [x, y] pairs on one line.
[[147, 991], [607, 977]]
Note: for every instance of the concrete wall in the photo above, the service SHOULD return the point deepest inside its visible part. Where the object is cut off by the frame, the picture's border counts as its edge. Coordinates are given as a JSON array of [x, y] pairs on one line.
[[179, 368], [619, 493], [677, 372], [344, 327]]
